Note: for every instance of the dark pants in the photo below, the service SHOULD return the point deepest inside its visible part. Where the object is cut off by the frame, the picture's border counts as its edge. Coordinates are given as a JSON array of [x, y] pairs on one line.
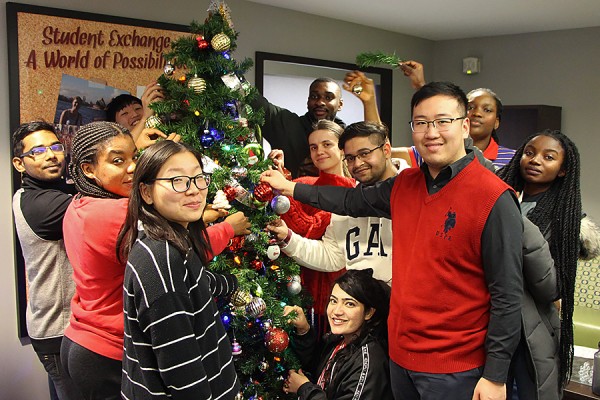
[[60, 384], [520, 373], [411, 385], [96, 376]]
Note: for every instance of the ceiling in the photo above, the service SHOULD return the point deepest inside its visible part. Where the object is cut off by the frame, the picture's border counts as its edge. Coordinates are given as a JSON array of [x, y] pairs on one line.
[[458, 19]]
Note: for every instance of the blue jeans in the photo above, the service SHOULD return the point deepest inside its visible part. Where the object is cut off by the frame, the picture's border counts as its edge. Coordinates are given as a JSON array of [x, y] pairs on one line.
[[63, 385], [411, 385]]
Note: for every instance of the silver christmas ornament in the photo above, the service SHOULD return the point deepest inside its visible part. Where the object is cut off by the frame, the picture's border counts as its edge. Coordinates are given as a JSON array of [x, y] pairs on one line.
[[169, 68], [256, 308], [280, 204], [294, 288]]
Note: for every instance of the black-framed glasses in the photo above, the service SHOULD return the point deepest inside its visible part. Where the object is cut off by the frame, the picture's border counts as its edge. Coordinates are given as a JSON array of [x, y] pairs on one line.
[[441, 124], [38, 151], [182, 183], [361, 155]]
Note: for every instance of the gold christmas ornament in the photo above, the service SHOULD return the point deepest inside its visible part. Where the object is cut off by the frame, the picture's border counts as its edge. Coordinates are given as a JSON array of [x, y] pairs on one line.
[[198, 84], [152, 122], [240, 298], [220, 42]]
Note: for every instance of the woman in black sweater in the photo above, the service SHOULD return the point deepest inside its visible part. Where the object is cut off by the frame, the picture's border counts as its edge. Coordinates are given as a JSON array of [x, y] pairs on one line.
[[175, 343]]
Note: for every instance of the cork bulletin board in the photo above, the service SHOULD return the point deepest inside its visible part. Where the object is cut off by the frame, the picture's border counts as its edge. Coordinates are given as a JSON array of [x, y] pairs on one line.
[[57, 55]]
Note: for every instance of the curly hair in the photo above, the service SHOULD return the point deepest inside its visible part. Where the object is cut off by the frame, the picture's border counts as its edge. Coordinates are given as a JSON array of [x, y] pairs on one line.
[[558, 212]]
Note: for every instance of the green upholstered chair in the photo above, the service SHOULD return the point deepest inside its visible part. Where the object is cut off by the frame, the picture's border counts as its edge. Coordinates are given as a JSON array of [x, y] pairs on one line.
[[586, 316]]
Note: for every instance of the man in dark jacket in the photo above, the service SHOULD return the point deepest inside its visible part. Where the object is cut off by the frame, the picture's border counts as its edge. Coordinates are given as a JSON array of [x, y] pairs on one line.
[[288, 131]]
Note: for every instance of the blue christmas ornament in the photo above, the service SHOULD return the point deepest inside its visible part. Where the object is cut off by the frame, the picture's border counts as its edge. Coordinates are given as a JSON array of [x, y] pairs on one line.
[[231, 108], [216, 134], [207, 141], [226, 55]]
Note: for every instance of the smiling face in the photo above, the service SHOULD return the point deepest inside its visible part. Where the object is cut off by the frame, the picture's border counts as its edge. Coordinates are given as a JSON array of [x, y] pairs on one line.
[[114, 166], [129, 116], [440, 149], [483, 115], [324, 100], [181, 208], [541, 163], [46, 167], [346, 315], [372, 167], [324, 151]]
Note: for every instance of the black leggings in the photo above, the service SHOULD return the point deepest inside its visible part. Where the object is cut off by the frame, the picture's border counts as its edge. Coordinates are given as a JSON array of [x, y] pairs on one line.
[[96, 376]]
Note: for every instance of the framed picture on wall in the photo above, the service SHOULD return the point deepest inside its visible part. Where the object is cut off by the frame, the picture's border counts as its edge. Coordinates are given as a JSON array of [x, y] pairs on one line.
[[65, 66]]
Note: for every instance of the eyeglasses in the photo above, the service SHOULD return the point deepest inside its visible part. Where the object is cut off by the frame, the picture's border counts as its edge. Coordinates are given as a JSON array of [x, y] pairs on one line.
[[442, 124], [182, 183], [361, 155], [38, 151]]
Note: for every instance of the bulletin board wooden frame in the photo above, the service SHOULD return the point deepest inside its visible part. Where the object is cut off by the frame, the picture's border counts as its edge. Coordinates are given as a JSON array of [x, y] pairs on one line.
[[33, 92]]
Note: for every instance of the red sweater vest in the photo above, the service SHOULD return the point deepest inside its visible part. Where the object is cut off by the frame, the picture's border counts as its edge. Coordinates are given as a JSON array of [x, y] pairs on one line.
[[440, 302]]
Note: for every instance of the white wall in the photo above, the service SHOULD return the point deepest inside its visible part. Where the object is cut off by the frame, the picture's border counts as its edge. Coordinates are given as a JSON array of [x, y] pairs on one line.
[[261, 28], [560, 68]]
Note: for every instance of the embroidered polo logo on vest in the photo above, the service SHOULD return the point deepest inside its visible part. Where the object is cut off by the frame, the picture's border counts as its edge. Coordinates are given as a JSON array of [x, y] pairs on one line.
[[449, 224]]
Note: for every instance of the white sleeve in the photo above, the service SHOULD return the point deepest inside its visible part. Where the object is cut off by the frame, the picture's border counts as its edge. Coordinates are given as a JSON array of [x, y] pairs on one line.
[[323, 255]]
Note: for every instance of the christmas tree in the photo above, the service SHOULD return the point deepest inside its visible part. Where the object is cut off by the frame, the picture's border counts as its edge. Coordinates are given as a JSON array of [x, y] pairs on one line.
[[207, 103]]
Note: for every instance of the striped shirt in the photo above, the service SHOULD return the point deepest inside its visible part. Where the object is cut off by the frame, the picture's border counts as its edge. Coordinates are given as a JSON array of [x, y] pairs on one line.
[[498, 155], [175, 344]]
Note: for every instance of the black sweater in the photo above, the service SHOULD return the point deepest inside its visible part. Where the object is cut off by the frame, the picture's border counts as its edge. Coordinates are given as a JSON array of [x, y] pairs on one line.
[[175, 343]]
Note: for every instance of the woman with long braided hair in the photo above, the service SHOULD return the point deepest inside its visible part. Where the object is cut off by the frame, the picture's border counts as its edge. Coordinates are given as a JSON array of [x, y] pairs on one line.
[[545, 170], [102, 164]]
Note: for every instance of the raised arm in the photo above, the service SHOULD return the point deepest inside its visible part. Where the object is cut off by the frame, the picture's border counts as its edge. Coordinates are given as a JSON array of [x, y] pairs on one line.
[[363, 87]]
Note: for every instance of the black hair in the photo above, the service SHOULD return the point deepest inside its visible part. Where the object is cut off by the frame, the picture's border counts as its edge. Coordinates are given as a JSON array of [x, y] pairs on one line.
[[374, 294], [118, 103], [25, 130], [364, 129], [324, 79], [440, 88], [89, 141], [499, 108], [559, 212], [155, 225]]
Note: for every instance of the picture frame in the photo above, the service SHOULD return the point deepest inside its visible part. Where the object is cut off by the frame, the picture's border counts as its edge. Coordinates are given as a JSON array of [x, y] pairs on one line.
[[50, 47]]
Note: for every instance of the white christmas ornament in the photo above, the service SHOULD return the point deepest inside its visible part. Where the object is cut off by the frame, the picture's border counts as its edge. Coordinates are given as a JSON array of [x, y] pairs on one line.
[[220, 201], [273, 252]]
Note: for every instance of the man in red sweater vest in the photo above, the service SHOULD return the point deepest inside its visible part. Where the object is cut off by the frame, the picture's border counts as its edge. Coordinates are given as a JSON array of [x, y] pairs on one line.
[[457, 259]]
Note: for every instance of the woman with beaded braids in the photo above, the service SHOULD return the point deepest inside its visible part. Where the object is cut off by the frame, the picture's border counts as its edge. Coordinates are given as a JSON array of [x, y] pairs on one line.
[[102, 164], [545, 170]]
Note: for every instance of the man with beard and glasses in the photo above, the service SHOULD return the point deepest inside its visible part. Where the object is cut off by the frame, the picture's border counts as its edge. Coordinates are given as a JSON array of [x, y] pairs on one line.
[[352, 243]]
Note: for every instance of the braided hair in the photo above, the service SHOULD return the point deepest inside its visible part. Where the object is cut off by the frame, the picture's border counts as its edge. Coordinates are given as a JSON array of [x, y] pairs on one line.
[[559, 211], [89, 141]]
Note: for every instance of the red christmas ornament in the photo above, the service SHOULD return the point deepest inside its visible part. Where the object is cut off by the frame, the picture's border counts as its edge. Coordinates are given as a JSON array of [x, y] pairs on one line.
[[256, 265], [229, 193], [263, 192], [277, 340], [202, 44], [287, 174], [236, 243]]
